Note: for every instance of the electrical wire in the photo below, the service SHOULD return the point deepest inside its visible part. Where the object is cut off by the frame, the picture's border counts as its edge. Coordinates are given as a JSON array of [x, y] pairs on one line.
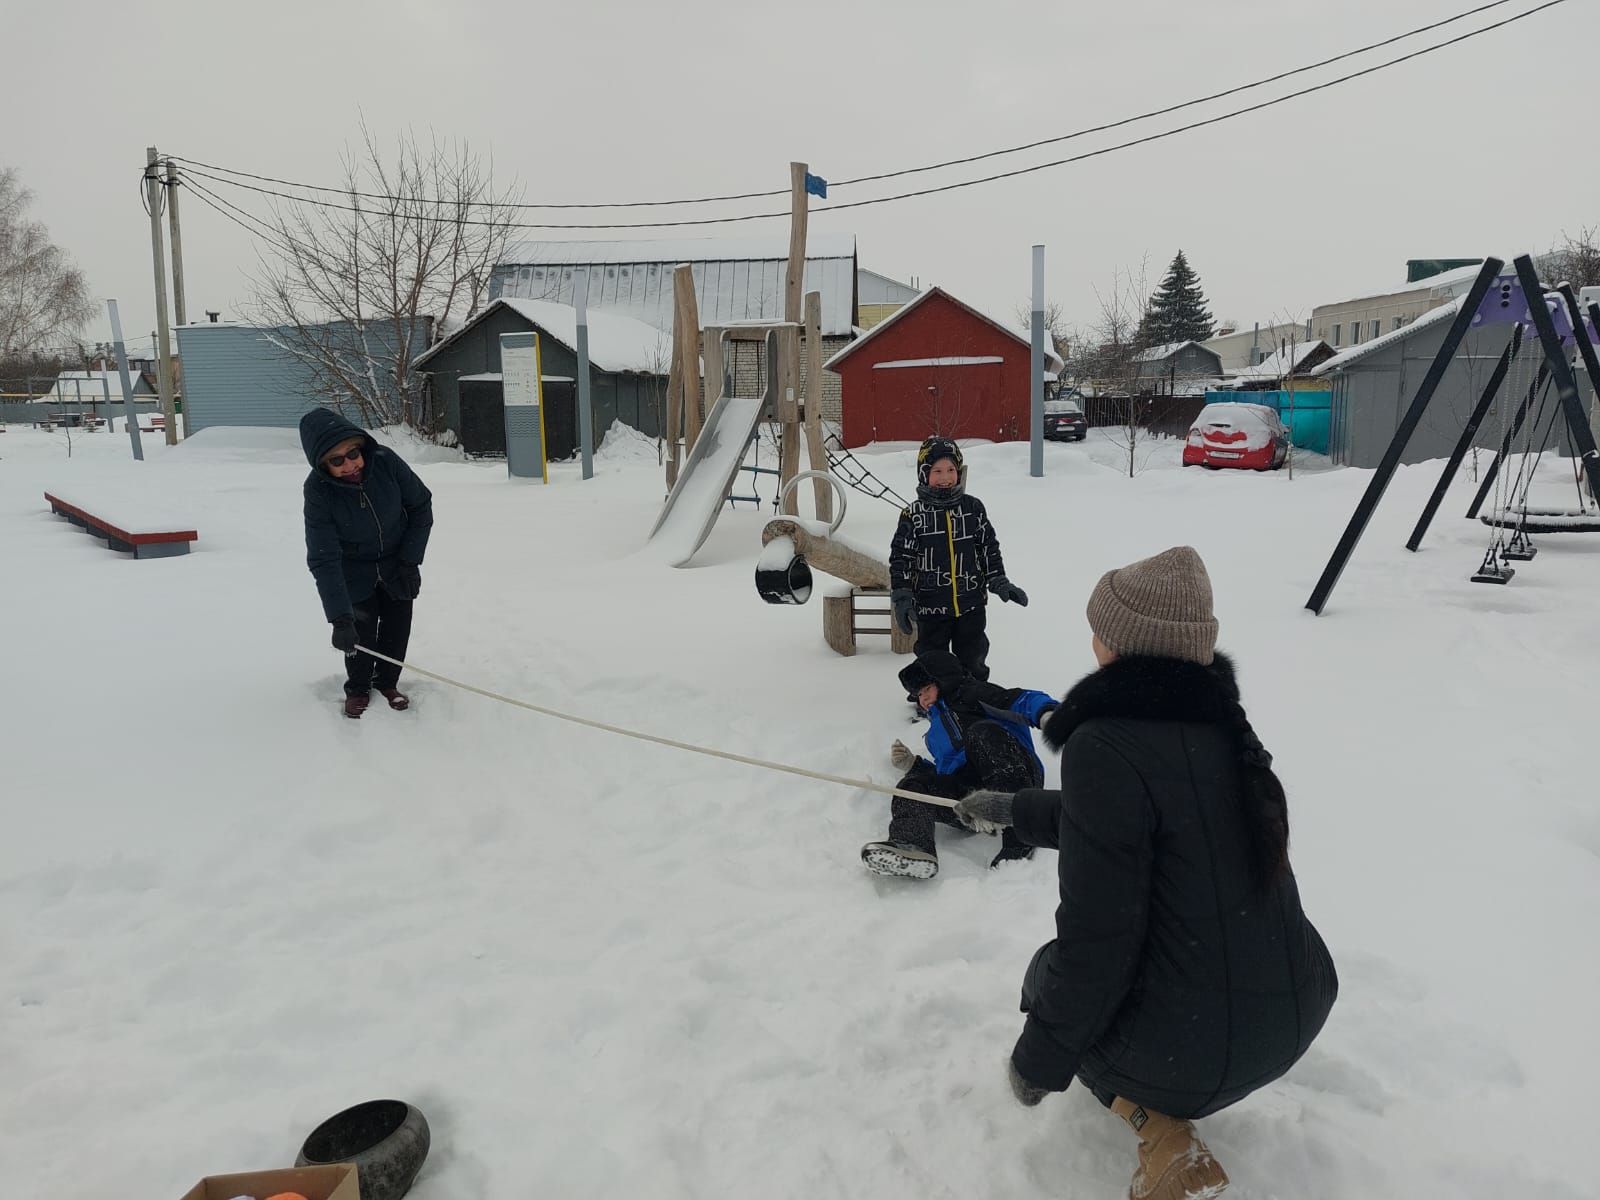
[[951, 162], [784, 213]]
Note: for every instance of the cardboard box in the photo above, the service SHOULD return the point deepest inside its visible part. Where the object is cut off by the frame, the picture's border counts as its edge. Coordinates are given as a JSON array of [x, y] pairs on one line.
[[314, 1183]]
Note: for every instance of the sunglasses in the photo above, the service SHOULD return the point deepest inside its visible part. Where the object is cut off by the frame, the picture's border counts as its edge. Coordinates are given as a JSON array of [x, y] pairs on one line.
[[338, 460]]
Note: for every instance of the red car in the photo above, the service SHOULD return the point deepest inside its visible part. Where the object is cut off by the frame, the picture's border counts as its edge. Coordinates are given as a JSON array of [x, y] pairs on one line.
[[1237, 435]]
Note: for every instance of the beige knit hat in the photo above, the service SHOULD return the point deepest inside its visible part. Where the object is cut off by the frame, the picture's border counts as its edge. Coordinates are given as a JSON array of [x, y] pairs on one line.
[[1159, 606]]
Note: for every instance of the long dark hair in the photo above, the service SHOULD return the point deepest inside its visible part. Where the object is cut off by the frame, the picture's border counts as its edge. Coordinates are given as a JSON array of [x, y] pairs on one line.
[[1266, 807]]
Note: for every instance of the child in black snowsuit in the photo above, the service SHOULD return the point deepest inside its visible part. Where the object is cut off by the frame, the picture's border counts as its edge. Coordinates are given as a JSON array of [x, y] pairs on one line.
[[945, 559], [979, 738]]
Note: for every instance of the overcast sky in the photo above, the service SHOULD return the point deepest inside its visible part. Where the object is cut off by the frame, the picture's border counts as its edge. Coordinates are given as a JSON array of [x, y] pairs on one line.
[[1484, 148]]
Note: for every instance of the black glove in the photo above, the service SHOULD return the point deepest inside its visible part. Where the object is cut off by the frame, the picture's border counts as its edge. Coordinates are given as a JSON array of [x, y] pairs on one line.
[[409, 580], [984, 812], [1009, 591], [345, 636], [1027, 1095], [904, 603]]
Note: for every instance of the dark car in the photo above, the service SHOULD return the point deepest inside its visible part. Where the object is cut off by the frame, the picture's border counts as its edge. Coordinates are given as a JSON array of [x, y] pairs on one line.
[[1064, 421]]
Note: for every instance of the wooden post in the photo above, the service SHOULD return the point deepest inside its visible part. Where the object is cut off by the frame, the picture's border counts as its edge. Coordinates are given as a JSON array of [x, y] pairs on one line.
[[674, 414], [813, 409], [788, 410], [799, 210], [711, 352], [686, 334]]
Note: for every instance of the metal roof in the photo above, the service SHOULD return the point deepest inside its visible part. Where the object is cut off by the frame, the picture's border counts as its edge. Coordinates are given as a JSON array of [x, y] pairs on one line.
[[735, 279]]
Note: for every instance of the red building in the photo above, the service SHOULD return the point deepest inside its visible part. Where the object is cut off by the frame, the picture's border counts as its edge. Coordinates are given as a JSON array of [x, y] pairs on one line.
[[936, 367]]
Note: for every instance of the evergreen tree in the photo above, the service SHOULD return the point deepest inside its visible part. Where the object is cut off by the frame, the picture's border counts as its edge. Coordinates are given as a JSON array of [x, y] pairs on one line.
[[1177, 312]]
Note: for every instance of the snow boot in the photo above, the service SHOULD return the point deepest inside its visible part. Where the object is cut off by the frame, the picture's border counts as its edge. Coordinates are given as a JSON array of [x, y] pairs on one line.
[[1015, 853], [397, 699], [897, 858], [355, 703], [1174, 1164]]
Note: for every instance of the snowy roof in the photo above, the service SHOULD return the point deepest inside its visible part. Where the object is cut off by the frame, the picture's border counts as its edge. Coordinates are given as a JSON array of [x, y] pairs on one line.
[[617, 344], [1050, 357], [672, 251], [1356, 353], [1157, 353], [88, 385], [1454, 283], [880, 289], [735, 279], [1285, 362]]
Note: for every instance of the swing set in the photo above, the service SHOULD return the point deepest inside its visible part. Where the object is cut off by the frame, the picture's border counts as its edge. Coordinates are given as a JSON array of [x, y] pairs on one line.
[[1545, 326]]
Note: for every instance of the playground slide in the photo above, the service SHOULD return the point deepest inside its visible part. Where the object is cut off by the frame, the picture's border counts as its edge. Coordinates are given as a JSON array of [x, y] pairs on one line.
[[705, 477]]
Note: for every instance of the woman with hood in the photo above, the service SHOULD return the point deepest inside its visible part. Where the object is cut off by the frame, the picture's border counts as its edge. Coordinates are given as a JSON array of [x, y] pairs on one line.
[[1184, 974], [367, 522]]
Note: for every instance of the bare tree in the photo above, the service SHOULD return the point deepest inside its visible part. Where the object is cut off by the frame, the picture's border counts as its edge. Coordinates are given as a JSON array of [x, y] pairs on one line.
[[1058, 330], [1120, 404], [1576, 260], [44, 299], [358, 291]]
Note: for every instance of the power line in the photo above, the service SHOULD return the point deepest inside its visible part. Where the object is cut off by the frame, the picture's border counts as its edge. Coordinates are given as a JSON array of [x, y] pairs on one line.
[[1065, 137], [1154, 137]]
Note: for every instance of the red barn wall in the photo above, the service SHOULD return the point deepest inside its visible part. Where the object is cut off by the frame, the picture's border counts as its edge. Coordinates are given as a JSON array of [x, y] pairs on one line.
[[978, 400]]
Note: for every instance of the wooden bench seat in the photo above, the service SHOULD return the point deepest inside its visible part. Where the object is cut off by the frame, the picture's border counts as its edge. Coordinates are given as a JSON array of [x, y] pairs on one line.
[[144, 539]]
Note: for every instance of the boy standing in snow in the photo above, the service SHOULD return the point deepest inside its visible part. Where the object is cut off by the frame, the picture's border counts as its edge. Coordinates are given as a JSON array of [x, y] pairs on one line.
[[979, 736], [368, 517], [944, 560]]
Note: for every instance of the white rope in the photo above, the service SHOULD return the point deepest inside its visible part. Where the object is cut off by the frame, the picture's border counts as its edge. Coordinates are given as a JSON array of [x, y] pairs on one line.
[[863, 784]]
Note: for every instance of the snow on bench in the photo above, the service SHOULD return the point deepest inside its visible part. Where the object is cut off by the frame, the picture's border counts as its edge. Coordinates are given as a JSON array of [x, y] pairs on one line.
[[126, 518]]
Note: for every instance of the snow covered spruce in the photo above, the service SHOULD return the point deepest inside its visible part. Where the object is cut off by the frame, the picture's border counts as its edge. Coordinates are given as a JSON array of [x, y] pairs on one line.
[[1184, 974]]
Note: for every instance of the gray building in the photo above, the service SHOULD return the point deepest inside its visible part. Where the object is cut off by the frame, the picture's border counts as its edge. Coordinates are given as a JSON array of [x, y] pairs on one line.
[[1176, 369], [240, 375], [737, 281], [628, 366], [1373, 385]]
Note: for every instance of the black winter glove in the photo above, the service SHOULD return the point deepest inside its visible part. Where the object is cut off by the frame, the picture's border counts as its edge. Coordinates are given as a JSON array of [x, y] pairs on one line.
[[985, 812], [904, 603], [1009, 592], [409, 580], [345, 636], [1027, 1095]]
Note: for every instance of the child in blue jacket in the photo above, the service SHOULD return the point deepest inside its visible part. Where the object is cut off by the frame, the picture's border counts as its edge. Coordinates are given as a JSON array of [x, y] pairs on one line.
[[979, 738]]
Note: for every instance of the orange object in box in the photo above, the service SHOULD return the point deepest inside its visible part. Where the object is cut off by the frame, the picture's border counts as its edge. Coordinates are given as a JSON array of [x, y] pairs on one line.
[[314, 1183]]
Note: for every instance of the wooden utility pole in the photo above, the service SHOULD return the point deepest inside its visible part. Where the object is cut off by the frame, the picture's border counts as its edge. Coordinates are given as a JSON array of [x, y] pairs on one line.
[[817, 453], [789, 343], [152, 192], [686, 334], [179, 309]]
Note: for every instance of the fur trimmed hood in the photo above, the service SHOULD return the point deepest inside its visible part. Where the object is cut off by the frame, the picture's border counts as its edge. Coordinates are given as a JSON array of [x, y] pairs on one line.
[[1159, 689]]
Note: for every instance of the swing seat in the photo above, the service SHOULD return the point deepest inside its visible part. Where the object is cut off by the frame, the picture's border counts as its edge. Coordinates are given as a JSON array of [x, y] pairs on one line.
[[1493, 574], [1548, 520], [1520, 554]]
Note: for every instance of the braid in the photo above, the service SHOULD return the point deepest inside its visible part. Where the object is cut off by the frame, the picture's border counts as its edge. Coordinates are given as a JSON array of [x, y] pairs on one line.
[[1266, 808]]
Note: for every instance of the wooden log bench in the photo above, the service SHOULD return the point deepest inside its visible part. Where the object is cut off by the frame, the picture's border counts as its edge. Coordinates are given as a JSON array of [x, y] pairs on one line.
[[117, 523], [842, 621]]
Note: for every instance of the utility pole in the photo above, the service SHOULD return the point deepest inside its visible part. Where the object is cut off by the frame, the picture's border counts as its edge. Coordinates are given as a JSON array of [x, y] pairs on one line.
[[179, 309], [1036, 366], [153, 199], [580, 304], [131, 417]]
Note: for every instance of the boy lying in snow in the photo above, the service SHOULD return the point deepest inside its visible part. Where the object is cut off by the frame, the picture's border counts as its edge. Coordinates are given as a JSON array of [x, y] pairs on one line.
[[979, 736]]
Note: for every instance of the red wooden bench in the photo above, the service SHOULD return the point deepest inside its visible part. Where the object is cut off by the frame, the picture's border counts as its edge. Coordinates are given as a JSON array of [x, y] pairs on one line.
[[142, 539]]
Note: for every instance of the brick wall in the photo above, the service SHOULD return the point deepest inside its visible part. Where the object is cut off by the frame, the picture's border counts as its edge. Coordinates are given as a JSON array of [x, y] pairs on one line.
[[746, 362]]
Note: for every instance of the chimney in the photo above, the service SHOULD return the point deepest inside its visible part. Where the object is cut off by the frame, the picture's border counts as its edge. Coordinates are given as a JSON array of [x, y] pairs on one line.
[[213, 314]]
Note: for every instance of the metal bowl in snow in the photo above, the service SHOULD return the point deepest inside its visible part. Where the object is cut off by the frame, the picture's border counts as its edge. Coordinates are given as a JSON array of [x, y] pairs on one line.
[[782, 574], [387, 1140]]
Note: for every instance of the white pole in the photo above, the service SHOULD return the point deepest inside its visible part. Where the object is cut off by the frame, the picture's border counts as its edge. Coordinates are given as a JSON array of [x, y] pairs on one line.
[[1036, 366]]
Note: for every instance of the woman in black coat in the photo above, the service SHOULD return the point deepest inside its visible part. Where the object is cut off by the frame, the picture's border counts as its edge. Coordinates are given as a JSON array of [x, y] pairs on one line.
[[1184, 974], [368, 517]]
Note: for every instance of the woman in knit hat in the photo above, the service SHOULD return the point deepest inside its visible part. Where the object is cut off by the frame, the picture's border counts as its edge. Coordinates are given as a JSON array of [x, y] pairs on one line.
[[1184, 974]]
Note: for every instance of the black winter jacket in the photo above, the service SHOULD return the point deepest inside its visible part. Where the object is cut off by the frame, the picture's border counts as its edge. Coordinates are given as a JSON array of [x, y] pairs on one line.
[[357, 535], [947, 555], [1172, 980]]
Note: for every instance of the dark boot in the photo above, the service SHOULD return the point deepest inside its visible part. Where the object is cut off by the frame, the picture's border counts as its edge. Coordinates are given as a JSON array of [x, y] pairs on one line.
[[397, 699], [355, 703]]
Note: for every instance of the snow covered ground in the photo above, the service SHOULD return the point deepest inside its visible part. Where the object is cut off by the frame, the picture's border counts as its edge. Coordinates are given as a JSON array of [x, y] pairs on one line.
[[606, 968]]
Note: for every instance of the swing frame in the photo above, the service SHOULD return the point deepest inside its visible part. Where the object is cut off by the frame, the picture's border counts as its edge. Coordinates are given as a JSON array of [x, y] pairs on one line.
[[1479, 307]]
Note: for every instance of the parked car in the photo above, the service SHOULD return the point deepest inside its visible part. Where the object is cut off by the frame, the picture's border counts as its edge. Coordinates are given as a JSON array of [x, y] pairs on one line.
[[1064, 421], [1237, 435]]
